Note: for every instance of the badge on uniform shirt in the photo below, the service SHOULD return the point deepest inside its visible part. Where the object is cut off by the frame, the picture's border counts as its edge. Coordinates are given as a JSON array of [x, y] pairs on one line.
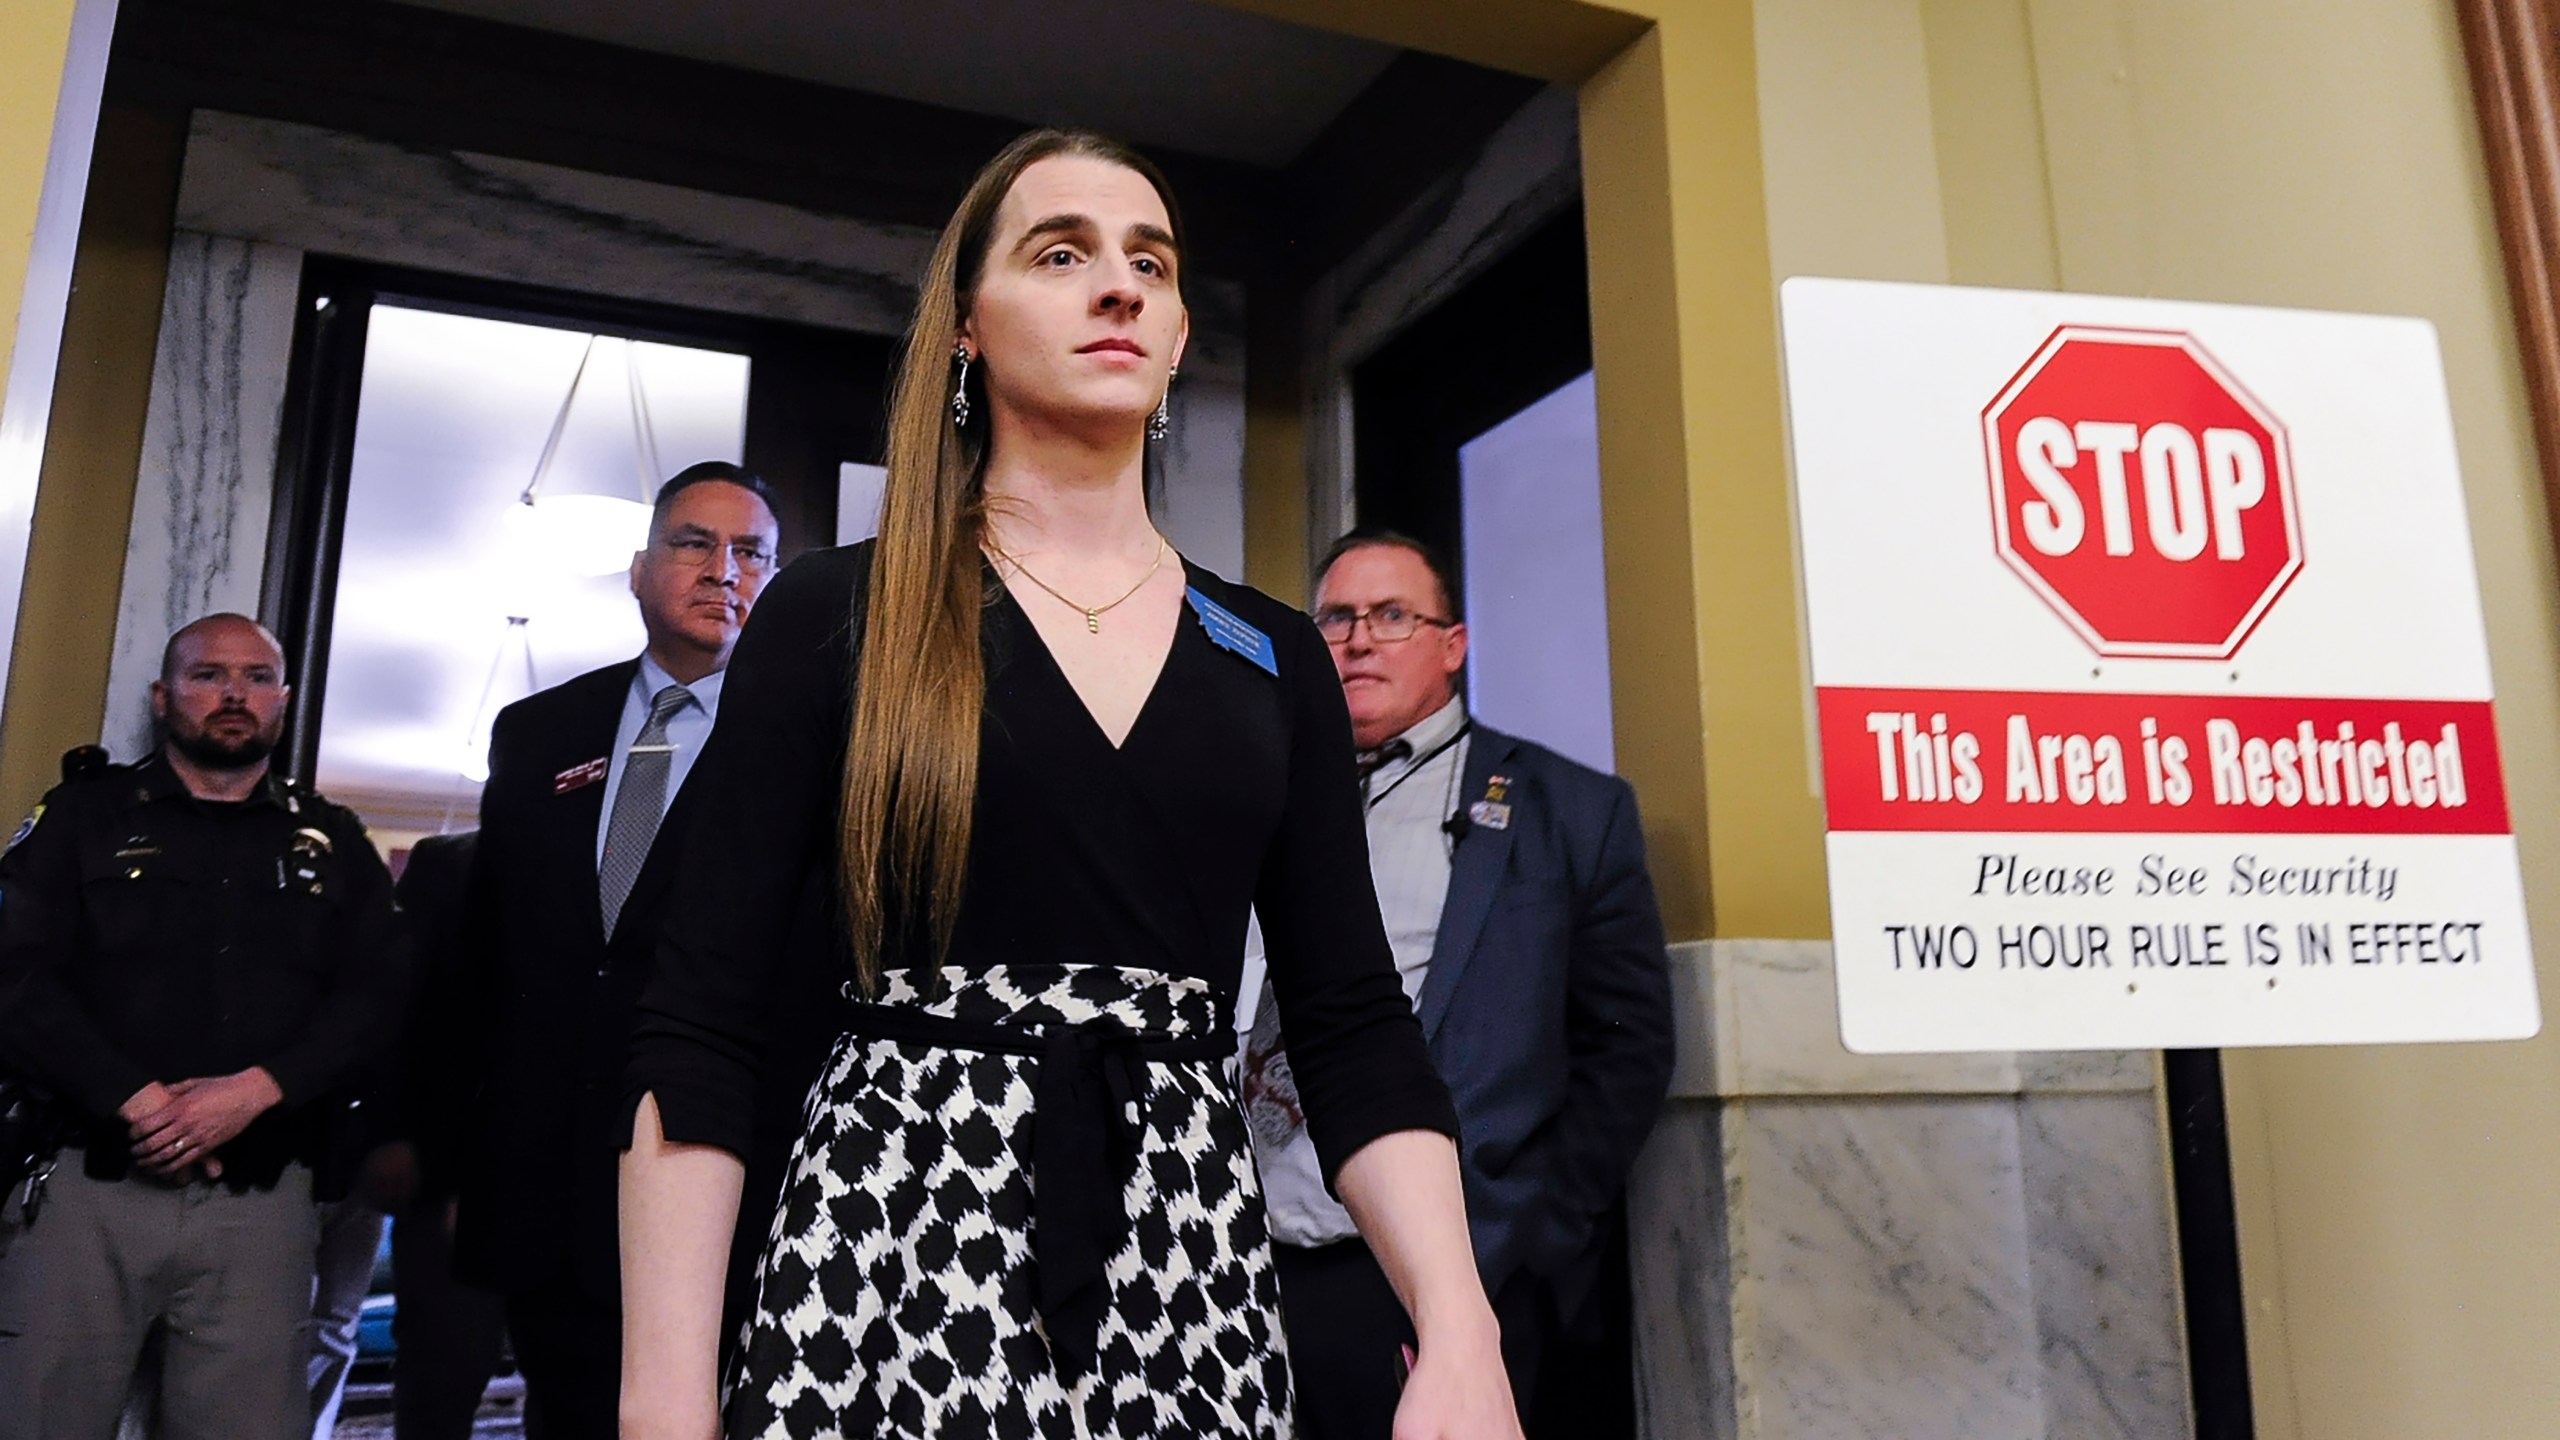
[[580, 776], [1229, 632], [302, 866], [26, 828]]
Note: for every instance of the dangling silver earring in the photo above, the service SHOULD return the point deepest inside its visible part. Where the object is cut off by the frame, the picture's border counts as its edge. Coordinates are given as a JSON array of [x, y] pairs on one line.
[[960, 391], [1160, 424]]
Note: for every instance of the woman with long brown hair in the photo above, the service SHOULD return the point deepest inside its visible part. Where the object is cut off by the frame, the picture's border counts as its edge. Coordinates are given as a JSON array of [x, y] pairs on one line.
[[1025, 769]]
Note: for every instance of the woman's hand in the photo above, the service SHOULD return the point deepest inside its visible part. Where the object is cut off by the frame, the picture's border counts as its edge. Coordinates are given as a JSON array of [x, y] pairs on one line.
[[1459, 1389], [1403, 1189]]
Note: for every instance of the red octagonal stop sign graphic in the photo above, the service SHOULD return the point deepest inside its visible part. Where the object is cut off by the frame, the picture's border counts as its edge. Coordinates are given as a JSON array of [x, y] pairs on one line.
[[2142, 492]]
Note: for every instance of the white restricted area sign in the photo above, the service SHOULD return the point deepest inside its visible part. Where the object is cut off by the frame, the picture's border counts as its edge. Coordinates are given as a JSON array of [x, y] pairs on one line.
[[2153, 695]]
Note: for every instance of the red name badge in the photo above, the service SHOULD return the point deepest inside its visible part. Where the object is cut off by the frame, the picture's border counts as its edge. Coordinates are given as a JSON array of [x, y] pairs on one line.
[[580, 775]]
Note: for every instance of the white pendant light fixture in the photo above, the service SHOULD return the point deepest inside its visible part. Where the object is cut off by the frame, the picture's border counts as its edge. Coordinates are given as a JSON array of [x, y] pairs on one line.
[[564, 538], [583, 536], [474, 763]]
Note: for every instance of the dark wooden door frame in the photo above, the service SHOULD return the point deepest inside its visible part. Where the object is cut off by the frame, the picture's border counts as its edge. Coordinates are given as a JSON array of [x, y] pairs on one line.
[[1505, 339], [2514, 49]]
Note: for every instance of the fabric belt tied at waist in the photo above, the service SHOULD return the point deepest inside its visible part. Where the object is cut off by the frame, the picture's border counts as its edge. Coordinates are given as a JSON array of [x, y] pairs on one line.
[[1088, 1115]]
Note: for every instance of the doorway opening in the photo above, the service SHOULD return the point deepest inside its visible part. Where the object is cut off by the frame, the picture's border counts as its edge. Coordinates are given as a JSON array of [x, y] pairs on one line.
[[467, 476], [1476, 430]]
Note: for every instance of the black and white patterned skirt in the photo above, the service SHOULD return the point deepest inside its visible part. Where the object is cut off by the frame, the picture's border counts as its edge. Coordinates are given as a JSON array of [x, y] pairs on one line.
[[910, 1288]]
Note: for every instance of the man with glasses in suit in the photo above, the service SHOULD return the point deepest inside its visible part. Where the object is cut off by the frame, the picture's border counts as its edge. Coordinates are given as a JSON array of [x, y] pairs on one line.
[[561, 915], [1516, 899]]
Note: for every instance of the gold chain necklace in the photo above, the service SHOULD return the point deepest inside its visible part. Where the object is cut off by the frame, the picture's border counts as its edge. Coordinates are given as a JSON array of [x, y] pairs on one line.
[[1092, 613]]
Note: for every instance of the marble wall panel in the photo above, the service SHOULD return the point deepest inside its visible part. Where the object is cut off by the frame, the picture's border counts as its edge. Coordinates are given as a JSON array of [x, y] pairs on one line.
[[1880, 1271], [200, 505], [1777, 1009], [334, 193], [1683, 1281], [1926, 1268], [2099, 1233], [2046, 1072], [1762, 1017]]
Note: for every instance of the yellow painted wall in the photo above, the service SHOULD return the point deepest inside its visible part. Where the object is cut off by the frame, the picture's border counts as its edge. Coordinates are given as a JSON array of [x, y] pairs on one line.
[[1706, 668], [1275, 446], [57, 691], [37, 34]]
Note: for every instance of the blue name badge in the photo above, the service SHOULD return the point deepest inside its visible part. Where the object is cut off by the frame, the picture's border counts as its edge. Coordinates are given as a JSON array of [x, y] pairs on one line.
[[1229, 633]]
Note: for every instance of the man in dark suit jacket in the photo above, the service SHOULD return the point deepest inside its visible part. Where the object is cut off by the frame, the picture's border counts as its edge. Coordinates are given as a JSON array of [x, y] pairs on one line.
[[1514, 890], [449, 1335], [566, 893]]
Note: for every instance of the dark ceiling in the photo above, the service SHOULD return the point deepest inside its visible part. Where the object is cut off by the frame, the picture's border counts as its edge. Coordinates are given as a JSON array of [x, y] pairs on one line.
[[1370, 127]]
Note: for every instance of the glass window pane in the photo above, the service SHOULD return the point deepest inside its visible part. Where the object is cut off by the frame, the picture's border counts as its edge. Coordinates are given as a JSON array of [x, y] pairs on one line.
[[859, 488], [455, 598], [1537, 587]]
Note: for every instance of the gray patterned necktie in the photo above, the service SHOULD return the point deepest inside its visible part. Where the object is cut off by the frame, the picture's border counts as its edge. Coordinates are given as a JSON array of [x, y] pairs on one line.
[[638, 805]]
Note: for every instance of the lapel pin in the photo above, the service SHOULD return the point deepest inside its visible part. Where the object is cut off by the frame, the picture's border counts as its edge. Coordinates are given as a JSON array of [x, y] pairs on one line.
[[1491, 814], [577, 776]]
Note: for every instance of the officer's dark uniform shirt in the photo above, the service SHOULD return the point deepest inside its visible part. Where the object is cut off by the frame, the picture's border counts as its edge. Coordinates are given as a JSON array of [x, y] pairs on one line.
[[147, 935]]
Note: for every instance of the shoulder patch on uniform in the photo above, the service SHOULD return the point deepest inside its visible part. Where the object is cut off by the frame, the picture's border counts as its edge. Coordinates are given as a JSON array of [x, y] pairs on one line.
[[26, 828]]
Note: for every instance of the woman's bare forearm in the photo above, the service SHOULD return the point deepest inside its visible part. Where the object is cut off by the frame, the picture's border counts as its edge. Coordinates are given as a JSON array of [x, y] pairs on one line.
[[679, 1208], [1403, 1190]]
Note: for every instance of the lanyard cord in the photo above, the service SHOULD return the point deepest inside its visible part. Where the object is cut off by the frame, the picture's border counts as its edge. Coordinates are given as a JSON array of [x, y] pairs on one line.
[[1434, 753]]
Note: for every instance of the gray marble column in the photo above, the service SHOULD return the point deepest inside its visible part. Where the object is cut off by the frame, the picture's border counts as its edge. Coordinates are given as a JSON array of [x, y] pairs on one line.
[[1833, 1247], [198, 543]]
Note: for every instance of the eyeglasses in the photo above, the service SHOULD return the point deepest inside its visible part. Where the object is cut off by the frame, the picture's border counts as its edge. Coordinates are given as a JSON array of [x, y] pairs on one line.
[[1387, 623], [700, 550]]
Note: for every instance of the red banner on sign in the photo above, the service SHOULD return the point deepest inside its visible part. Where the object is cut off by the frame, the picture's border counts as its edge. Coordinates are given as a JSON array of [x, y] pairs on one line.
[[2025, 761]]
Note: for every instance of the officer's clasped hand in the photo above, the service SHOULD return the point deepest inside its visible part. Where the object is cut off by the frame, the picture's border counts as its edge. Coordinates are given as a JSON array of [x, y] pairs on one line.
[[178, 1129]]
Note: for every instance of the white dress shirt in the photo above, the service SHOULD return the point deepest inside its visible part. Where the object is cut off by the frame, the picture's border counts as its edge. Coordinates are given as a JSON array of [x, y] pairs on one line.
[[1410, 801], [686, 730]]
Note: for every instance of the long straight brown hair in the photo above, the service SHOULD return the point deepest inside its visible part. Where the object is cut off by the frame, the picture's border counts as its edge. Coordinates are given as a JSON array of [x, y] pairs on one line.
[[911, 760]]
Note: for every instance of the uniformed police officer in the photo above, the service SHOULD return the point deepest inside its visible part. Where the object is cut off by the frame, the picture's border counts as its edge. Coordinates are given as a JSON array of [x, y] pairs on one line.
[[193, 952]]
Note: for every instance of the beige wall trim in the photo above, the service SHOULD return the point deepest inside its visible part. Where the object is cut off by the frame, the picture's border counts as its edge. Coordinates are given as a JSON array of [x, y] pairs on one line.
[[1989, 133]]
